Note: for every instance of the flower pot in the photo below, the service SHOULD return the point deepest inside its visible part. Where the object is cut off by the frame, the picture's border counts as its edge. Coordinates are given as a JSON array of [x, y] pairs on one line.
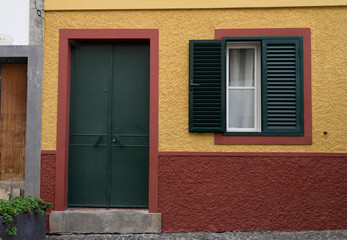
[[28, 227]]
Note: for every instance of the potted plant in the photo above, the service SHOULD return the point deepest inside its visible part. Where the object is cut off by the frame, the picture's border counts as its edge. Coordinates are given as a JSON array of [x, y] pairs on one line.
[[23, 218]]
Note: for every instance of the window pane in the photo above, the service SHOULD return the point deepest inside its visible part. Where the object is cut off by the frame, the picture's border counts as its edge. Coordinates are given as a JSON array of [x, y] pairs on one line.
[[241, 108], [241, 67]]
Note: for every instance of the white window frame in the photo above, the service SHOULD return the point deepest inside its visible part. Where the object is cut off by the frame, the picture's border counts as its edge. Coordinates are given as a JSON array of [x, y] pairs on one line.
[[256, 45]]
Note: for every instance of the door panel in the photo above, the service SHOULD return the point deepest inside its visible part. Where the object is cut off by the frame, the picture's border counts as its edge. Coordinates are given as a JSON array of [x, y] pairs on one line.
[[109, 125], [130, 124], [89, 88], [88, 153], [130, 184], [88, 181], [13, 85], [131, 87]]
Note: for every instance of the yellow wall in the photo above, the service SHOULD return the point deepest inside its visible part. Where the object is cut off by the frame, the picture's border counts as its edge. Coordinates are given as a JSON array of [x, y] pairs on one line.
[[329, 72], [182, 4]]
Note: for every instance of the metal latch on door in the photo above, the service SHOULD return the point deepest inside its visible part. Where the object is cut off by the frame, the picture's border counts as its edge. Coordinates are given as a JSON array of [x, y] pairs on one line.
[[114, 140], [117, 138]]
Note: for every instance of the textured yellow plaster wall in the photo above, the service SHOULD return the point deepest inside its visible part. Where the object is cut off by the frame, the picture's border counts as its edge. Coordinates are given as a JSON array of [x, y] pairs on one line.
[[177, 27]]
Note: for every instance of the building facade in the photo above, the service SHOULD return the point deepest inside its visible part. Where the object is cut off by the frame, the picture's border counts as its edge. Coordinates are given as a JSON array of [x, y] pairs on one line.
[[222, 117]]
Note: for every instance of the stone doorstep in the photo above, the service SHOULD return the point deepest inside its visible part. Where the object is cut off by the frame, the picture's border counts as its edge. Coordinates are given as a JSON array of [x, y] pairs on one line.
[[104, 221]]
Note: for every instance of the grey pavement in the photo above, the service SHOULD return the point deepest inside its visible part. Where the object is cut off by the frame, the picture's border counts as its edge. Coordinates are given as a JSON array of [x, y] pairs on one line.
[[253, 235]]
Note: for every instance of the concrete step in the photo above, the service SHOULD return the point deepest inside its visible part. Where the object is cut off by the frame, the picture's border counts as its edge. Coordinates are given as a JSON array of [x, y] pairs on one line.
[[254, 235], [88, 221]]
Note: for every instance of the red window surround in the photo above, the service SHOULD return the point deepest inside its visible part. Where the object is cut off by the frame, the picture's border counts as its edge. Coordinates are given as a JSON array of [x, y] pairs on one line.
[[270, 32]]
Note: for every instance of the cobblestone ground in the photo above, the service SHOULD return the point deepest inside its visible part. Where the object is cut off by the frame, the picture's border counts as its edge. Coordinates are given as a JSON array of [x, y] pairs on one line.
[[256, 235]]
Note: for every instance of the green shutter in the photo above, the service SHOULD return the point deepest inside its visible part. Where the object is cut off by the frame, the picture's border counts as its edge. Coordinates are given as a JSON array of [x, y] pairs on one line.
[[282, 86], [206, 86]]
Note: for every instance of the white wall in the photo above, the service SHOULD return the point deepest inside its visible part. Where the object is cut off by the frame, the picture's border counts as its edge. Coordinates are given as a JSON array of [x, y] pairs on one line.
[[14, 22]]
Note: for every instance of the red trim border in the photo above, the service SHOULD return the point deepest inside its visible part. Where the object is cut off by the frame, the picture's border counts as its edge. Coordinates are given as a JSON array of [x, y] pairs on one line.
[[255, 32], [254, 154], [64, 107], [48, 152]]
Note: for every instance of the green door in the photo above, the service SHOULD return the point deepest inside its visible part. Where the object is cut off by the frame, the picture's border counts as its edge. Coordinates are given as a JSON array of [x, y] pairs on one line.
[[109, 124]]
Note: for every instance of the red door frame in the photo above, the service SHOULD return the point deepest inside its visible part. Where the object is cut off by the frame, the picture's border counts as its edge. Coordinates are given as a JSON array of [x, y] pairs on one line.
[[64, 105]]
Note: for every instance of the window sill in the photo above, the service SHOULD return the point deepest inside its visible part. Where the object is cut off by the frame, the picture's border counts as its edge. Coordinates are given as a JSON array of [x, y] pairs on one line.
[[219, 139], [261, 134]]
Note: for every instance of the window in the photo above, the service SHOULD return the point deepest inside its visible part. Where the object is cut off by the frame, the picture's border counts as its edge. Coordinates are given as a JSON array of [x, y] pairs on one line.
[[243, 87], [247, 86]]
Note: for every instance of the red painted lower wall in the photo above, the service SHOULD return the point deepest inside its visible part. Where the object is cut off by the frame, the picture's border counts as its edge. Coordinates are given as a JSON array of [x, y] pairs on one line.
[[47, 186], [241, 193]]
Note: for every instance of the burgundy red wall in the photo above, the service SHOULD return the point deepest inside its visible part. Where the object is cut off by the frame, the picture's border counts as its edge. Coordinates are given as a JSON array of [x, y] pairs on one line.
[[242, 192], [199, 192], [47, 186]]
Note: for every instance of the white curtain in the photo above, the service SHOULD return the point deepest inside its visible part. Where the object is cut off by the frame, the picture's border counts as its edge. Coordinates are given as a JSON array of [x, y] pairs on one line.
[[241, 109], [241, 101], [241, 65]]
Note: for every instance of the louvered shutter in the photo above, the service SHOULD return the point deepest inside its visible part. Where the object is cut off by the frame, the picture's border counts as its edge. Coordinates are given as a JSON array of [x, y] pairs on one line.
[[206, 86], [282, 86]]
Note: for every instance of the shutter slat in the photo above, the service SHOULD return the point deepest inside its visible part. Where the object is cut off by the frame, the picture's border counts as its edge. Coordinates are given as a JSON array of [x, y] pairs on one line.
[[206, 90], [289, 59], [206, 103], [274, 83], [201, 121], [207, 62], [281, 86], [280, 47], [204, 109], [207, 78], [280, 55], [207, 116], [281, 91], [283, 119], [206, 55], [281, 95], [276, 87], [280, 67], [205, 125], [277, 124], [198, 113], [282, 108], [281, 51], [198, 95], [284, 70], [198, 68], [281, 62], [282, 79], [282, 115], [289, 74], [206, 65]]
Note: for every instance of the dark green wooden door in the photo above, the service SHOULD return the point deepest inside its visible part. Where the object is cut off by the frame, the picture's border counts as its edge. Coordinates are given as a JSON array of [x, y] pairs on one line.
[[109, 125]]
